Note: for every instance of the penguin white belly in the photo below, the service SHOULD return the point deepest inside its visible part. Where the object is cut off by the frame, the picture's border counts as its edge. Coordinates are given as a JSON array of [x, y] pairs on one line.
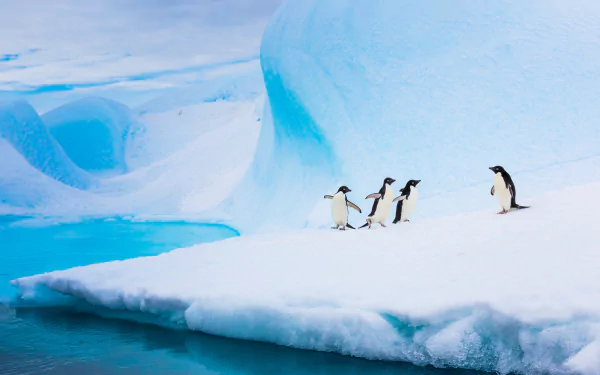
[[502, 192], [339, 209], [408, 206], [383, 206]]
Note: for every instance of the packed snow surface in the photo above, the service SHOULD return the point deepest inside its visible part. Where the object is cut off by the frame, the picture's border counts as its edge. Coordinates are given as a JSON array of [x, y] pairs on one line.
[[515, 292]]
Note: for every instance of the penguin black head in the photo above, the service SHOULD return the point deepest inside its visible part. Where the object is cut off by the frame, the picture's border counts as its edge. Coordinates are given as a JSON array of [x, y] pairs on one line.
[[344, 189], [497, 169], [389, 181], [409, 184]]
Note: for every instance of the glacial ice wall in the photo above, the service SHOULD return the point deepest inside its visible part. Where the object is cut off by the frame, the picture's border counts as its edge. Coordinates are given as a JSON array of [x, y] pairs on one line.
[[434, 90]]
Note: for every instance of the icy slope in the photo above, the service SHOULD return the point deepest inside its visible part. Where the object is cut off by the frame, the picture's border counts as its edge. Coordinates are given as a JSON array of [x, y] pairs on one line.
[[518, 292], [169, 123], [92, 132], [22, 129], [24, 188], [179, 156], [435, 90]]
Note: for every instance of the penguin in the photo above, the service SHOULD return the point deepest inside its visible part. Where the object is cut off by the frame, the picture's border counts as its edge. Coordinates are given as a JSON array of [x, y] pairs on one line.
[[504, 189], [339, 208], [382, 204], [406, 201]]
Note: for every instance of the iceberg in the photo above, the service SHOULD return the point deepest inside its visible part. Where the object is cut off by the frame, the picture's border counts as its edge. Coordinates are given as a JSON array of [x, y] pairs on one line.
[[179, 155], [354, 93], [437, 91], [24, 188], [500, 293], [92, 132], [22, 130]]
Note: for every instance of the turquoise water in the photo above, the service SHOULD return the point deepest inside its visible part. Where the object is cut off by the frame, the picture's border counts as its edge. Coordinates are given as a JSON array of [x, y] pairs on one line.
[[58, 341], [33, 246]]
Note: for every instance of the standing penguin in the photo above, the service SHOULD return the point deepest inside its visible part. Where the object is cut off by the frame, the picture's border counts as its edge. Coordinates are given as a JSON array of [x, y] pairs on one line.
[[339, 208], [407, 201], [505, 190], [382, 204]]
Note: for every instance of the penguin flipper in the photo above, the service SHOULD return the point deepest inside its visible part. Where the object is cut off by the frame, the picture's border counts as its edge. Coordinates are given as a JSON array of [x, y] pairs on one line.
[[374, 195], [399, 198], [354, 206], [493, 190], [350, 226], [328, 197]]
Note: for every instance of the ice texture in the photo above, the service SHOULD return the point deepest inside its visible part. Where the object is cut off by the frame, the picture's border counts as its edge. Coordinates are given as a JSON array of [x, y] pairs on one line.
[[22, 130], [436, 90], [179, 155], [516, 292], [92, 132]]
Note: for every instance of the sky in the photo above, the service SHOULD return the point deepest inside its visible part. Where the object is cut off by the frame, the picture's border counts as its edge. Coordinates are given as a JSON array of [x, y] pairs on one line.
[[52, 51]]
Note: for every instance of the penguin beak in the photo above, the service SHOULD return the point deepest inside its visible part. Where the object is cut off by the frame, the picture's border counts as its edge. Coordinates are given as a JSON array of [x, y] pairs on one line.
[[492, 169], [393, 180], [418, 182], [349, 190]]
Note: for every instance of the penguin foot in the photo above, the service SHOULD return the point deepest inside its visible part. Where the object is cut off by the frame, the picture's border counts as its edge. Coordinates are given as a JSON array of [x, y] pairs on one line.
[[383, 225], [343, 228], [502, 212], [336, 227], [407, 221]]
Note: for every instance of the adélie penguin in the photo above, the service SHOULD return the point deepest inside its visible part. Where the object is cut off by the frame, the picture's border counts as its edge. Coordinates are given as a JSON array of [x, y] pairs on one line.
[[504, 189], [339, 208], [382, 204], [406, 201]]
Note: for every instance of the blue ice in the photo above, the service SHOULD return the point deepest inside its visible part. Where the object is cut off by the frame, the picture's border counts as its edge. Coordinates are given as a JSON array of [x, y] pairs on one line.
[[435, 90]]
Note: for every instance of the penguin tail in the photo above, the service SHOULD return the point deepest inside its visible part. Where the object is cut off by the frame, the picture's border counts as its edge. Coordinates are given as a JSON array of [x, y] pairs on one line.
[[364, 225], [350, 226], [518, 207]]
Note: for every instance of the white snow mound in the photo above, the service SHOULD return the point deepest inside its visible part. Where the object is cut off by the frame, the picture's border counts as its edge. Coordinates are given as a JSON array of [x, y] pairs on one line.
[[516, 292]]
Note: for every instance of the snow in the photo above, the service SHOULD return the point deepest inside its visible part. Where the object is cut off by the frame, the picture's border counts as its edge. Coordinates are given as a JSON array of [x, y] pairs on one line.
[[178, 156], [437, 91], [354, 93], [24, 187], [92, 132], [516, 292]]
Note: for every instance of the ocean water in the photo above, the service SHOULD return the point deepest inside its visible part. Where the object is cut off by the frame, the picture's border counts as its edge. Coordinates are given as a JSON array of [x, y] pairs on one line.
[[59, 341]]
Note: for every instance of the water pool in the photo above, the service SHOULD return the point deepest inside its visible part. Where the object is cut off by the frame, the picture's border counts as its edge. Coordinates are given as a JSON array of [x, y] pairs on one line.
[[31, 246], [59, 341]]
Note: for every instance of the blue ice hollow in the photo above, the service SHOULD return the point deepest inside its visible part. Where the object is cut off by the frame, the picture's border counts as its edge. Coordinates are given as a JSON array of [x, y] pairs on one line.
[[26, 133], [436, 90], [93, 133]]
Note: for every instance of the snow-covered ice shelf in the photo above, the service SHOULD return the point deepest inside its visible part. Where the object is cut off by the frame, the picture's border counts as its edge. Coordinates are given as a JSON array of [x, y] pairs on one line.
[[517, 292]]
